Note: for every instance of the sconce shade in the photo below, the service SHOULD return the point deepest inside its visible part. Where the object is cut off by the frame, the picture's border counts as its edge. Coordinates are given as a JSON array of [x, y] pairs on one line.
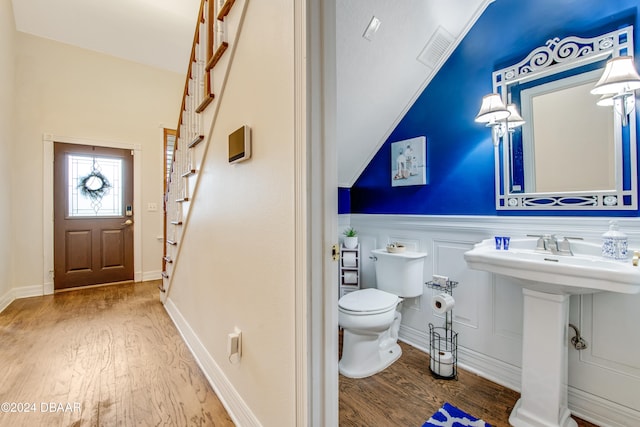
[[605, 100], [515, 119], [619, 76], [492, 109]]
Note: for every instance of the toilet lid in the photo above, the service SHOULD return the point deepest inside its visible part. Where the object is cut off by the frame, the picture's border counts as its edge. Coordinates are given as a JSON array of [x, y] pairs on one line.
[[367, 300]]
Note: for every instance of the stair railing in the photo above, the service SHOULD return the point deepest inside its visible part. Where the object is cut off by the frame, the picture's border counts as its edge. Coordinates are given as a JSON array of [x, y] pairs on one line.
[[208, 47]]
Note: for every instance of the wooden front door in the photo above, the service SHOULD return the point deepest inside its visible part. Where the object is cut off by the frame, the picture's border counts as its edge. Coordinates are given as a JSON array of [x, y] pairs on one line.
[[93, 217]]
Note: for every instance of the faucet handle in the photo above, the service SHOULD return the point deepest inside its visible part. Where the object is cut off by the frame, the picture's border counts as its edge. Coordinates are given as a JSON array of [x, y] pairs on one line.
[[564, 247], [540, 243]]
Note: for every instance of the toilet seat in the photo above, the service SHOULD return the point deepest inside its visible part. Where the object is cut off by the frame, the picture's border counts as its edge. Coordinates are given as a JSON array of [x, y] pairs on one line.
[[367, 301]]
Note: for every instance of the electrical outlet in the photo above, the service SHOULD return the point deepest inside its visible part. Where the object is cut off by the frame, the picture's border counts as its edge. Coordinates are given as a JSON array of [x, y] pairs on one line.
[[234, 345]]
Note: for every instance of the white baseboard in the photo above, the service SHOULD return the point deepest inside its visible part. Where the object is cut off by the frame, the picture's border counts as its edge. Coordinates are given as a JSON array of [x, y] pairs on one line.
[[238, 410], [494, 370], [151, 275], [28, 291], [47, 288], [600, 411], [21, 292], [5, 300], [583, 405]]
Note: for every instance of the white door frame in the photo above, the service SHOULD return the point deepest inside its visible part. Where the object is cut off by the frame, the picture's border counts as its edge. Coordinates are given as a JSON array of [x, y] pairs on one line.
[[316, 215], [47, 202]]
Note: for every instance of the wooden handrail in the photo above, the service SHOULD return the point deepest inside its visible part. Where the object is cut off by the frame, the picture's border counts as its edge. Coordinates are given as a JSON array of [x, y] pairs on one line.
[[192, 59], [211, 57], [198, 89]]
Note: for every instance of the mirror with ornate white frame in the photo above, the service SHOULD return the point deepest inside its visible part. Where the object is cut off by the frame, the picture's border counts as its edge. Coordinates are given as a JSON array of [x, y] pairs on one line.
[[571, 154]]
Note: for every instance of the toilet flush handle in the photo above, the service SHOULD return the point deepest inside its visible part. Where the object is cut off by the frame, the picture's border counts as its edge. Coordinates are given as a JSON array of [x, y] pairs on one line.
[[373, 258]]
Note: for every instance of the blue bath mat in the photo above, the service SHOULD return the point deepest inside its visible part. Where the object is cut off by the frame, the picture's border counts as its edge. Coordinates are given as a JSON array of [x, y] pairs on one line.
[[450, 416]]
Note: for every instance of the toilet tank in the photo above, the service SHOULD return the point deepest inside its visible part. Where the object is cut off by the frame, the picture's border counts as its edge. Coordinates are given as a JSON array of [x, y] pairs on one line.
[[399, 273]]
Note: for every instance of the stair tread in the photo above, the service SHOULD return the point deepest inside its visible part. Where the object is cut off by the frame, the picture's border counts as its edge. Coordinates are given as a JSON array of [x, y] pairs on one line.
[[195, 141]]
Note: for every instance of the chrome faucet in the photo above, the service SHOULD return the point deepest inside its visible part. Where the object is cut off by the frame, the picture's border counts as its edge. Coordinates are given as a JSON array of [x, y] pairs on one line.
[[550, 243]]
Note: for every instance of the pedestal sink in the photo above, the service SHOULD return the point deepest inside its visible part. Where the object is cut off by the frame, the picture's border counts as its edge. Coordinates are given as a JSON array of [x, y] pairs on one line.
[[548, 282]]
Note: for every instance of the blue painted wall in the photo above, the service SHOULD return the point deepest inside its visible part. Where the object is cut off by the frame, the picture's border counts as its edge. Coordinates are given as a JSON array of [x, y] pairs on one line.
[[344, 200], [459, 151]]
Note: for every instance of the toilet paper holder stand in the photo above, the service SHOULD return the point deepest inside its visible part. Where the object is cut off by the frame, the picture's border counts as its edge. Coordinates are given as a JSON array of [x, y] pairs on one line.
[[443, 341]]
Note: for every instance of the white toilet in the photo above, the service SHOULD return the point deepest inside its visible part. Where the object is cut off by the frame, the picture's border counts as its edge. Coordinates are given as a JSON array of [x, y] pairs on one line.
[[370, 317]]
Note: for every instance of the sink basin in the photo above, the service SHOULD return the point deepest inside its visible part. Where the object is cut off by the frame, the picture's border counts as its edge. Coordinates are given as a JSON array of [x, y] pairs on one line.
[[584, 272], [548, 281]]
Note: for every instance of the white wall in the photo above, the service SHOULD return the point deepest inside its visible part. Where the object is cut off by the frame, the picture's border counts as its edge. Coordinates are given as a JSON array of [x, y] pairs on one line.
[[236, 263], [68, 91], [603, 379], [7, 66]]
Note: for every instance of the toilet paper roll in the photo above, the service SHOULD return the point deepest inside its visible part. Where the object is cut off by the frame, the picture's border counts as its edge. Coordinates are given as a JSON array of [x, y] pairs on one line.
[[442, 364], [350, 277], [349, 259], [442, 303]]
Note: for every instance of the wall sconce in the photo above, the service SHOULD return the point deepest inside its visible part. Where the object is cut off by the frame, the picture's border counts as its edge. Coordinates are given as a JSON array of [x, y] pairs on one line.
[[514, 120], [617, 86], [498, 117]]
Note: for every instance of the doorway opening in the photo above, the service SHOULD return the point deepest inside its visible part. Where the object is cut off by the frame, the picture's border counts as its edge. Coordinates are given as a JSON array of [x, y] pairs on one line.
[[93, 210], [48, 202]]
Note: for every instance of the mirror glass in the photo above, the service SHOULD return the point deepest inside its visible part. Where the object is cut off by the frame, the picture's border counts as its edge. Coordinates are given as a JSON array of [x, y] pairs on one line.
[[571, 153], [565, 122]]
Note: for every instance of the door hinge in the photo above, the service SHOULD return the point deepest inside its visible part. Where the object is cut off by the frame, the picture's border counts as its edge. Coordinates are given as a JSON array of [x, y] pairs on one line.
[[335, 252]]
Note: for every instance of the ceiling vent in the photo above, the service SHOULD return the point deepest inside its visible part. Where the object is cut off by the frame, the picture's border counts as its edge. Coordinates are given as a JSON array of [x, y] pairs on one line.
[[372, 28], [436, 48]]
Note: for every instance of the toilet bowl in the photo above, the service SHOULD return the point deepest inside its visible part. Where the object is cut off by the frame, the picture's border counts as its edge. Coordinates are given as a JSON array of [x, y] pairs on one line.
[[370, 317], [370, 338]]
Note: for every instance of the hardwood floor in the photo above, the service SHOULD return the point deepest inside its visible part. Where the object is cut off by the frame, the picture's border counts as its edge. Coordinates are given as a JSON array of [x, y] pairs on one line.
[[110, 356], [107, 356], [405, 394]]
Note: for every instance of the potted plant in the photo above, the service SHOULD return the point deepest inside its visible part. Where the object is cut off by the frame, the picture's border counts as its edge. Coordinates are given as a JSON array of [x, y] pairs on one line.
[[350, 238]]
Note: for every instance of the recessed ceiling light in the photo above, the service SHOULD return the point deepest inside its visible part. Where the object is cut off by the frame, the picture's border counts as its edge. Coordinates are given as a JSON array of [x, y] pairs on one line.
[[373, 26]]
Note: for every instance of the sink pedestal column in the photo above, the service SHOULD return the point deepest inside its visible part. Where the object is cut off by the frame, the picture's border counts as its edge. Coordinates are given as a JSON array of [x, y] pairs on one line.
[[543, 401]]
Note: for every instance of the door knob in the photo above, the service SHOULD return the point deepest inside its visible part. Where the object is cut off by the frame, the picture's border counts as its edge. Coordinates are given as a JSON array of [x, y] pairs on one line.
[[127, 222]]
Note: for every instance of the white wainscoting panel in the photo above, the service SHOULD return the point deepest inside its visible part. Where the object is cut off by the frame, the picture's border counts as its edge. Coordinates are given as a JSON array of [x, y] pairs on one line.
[[609, 324], [448, 260], [488, 312]]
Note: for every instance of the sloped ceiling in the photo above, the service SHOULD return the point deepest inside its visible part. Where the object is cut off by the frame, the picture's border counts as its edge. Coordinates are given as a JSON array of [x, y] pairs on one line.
[[377, 79]]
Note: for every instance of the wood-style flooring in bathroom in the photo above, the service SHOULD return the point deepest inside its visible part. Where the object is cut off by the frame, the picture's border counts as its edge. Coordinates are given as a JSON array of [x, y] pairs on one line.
[[405, 394]]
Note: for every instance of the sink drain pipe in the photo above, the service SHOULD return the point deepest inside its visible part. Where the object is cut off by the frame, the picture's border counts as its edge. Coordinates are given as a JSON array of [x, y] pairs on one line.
[[578, 342]]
